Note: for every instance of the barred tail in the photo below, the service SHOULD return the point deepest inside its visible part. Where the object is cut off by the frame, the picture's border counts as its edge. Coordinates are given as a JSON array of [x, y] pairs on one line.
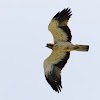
[[82, 47]]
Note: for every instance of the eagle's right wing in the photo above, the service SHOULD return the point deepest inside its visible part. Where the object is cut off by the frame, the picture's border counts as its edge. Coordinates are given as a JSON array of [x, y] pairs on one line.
[[53, 66], [58, 26]]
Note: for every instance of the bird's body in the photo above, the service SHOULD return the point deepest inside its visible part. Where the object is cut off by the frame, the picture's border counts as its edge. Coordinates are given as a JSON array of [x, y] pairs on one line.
[[67, 46], [61, 48]]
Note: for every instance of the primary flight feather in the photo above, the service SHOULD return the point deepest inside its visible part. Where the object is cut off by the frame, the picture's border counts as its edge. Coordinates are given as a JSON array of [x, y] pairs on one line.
[[60, 48]]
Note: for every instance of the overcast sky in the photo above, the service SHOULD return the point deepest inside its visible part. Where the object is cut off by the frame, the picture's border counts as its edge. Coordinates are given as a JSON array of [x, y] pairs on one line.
[[23, 36]]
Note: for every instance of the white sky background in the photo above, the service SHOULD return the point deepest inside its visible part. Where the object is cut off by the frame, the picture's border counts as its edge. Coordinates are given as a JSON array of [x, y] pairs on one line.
[[23, 36]]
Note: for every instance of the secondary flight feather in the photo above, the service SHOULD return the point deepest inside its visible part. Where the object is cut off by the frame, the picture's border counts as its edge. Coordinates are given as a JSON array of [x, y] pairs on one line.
[[60, 48]]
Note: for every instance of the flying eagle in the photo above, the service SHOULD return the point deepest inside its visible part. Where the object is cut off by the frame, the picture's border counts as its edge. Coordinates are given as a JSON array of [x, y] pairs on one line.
[[60, 48]]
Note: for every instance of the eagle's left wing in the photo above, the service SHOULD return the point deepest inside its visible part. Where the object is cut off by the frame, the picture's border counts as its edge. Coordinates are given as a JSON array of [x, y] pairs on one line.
[[58, 26], [53, 66]]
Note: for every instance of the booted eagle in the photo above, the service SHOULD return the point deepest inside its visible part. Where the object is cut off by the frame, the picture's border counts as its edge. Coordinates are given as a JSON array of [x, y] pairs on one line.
[[60, 48]]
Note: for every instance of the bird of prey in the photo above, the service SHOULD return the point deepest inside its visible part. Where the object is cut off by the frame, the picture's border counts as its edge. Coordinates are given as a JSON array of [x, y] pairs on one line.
[[60, 48]]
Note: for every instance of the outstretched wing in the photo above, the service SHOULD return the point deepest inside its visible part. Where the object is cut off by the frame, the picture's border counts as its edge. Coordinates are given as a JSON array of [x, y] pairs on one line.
[[58, 26], [53, 66]]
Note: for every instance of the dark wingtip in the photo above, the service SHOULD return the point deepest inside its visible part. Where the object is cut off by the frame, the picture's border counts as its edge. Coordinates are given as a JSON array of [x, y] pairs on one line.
[[66, 13], [56, 85]]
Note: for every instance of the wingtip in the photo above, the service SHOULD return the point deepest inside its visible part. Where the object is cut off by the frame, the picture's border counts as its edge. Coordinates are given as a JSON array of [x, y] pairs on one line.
[[56, 85], [65, 14]]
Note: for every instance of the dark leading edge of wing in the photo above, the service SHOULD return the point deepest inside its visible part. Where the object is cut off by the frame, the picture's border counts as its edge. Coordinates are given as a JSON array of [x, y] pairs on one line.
[[62, 16], [54, 79]]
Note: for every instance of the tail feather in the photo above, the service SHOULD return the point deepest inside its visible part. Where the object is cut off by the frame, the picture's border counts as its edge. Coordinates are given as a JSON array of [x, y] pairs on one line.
[[82, 47]]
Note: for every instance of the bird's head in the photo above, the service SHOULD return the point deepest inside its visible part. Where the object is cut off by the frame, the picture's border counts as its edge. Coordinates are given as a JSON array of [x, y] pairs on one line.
[[50, 45]]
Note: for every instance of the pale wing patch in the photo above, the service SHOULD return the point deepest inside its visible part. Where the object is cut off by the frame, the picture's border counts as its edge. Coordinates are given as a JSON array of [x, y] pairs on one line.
[[55, 57], [58, 33]]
